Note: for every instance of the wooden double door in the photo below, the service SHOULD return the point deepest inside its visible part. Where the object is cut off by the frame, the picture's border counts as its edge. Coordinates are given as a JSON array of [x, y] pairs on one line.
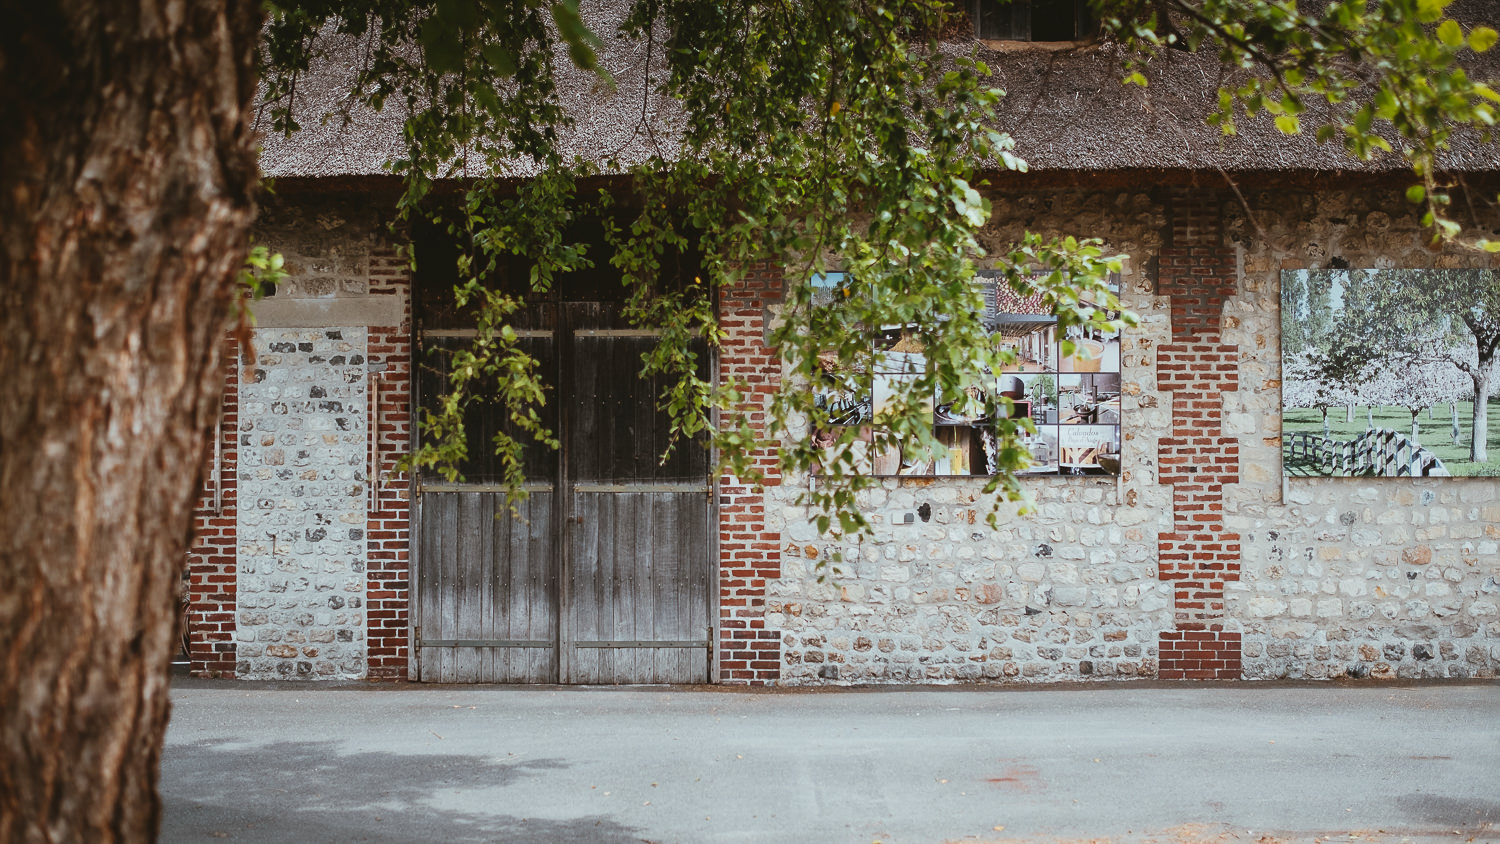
[[605, 572]]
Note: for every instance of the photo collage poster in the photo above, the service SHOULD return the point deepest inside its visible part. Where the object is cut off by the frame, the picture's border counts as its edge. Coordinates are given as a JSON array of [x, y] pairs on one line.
[[1073, 401]]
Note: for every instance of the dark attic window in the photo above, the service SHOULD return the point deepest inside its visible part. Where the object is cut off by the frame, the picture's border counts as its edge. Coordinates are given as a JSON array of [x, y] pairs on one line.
[[1033, 20]]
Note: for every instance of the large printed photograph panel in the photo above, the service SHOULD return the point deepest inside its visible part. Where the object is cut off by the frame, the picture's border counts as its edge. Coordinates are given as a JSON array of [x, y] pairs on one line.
[[1389, 373], [1073, 401]]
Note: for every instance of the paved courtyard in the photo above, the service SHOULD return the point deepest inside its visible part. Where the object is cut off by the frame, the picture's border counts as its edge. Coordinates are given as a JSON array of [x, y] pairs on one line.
[[1117, 762]]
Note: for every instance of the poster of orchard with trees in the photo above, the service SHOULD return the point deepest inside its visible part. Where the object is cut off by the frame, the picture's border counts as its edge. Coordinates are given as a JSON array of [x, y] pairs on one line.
[[1389, 372]]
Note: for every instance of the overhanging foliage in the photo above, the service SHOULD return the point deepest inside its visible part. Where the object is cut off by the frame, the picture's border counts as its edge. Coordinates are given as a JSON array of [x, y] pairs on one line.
[[821, 136]]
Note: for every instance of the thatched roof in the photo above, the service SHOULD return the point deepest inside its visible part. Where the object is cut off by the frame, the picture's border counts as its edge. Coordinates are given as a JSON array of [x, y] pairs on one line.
[[606, 121], [1066, 109]]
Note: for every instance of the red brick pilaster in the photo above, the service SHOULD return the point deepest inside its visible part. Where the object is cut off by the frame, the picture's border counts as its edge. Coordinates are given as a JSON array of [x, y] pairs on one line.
[[1196, 459], [211, 565], [388, 550], [749, 550]]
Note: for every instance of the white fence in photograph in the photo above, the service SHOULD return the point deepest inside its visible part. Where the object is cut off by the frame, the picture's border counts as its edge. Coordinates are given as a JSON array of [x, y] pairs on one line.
[[1378, 452]]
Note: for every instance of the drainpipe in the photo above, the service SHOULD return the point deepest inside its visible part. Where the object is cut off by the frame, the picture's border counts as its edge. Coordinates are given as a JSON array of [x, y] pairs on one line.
[[375, 369]]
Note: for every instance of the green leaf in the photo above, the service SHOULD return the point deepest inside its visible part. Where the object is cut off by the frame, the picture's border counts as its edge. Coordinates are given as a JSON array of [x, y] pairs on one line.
[[502, 60], [1428, 11], [440, 45], [487, 98], [583, 56], [1450, 33], [1415, 194], [885, 192], [579, 39], [1386, 105]]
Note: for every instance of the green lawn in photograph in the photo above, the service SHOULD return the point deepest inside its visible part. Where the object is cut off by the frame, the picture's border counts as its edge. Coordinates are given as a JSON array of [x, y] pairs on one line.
[[1435, 433]]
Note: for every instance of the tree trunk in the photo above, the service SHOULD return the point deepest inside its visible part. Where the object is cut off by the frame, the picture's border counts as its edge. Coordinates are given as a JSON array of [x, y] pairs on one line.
[[1326, 429], [1349, 413], [127, 178], [1453, 411], [1415, 417], [1370, 416], [1479, 428]]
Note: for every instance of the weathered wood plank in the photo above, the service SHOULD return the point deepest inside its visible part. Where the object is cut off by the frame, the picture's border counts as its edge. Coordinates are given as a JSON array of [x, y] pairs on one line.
[[586, 580], [636, 562], [627, 563], [500, 663], [499, 623], [528, 602], [469, 563], [542, 575], [667, 581], [446, 526], [485, 579], [702, 570], [429, 589], [512, 594]]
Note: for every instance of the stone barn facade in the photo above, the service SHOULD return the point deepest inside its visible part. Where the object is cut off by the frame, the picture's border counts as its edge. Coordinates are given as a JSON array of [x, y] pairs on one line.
[[1198, 559]]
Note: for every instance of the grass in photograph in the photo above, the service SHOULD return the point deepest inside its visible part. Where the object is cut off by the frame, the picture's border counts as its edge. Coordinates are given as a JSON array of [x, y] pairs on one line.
[[1435, 433]]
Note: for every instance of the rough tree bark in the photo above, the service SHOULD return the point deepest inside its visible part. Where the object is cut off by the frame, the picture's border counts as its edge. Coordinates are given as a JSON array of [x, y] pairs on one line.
[[127, 178]]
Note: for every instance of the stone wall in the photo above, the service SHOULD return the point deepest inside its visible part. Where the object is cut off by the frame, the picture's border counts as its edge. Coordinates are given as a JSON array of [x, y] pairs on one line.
[[1068, 591], [303, 471], [326, 242], [1345, 577], [1196, 563], [300, 569]]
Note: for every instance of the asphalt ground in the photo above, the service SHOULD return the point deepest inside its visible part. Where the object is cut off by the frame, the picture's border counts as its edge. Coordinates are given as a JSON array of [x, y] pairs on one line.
[[1119, 762]]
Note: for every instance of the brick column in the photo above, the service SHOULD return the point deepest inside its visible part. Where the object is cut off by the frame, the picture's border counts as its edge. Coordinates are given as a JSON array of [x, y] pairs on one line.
[[211, 569], [389, 522], [1196, 369], [749, 550]]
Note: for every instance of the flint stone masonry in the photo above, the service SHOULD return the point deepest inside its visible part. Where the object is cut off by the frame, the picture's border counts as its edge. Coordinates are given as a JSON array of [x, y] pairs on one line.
[[326, 246], [1348, 577], [1068, 594], [1199, 560], [303, 466], [307, 539], [1339, 578]]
